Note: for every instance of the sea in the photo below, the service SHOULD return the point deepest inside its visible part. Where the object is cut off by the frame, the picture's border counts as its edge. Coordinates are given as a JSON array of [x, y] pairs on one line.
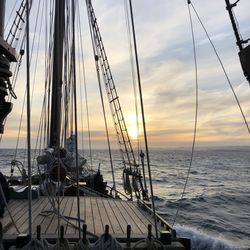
[[215, 208]]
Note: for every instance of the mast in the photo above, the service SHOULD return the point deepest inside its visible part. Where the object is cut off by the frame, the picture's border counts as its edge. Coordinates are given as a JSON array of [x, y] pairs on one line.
[[7, 55], [244, 52], [59, 27], [2, 13]]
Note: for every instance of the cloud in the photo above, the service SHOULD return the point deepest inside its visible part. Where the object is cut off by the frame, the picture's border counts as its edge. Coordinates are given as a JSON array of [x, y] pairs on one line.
[[167, 71]]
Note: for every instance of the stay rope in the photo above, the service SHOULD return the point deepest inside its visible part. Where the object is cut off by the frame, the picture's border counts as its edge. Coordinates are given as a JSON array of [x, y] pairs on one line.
[[75, 113], [85, 86], [132, 65], [11, 14], [97, 56], [143, 116], [196, 112], [80, 75]]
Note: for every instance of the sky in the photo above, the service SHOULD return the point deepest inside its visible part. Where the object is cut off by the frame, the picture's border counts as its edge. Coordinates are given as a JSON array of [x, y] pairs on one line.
[[167, 74]]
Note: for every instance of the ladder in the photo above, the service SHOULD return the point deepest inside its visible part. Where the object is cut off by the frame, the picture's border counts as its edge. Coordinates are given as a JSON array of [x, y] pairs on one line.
[[124, 142], [17, 25]]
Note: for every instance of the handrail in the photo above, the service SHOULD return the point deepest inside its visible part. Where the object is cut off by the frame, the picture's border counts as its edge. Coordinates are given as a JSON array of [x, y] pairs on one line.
[[158, 217]]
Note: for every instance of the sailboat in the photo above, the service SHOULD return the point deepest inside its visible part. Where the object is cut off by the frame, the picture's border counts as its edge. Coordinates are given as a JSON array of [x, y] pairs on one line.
[[62, 198]]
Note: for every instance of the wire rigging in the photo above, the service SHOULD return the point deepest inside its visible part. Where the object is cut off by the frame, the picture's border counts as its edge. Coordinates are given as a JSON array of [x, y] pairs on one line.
[[80, 76], [196, 110], [143, 116], [25, 92], [11, 14], [85, 88], [75, 111], [28, 119], [126, 10], [97, 56]]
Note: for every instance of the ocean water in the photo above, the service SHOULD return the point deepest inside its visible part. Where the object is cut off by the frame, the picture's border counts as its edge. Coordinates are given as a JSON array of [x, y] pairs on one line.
[[215, 209]]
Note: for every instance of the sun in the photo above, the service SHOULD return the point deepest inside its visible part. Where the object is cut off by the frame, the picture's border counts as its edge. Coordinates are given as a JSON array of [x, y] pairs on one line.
[[133, 132]]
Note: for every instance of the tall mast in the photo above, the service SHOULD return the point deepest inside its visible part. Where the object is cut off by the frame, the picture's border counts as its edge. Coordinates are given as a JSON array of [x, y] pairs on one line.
[[59, 27], [7, 55]]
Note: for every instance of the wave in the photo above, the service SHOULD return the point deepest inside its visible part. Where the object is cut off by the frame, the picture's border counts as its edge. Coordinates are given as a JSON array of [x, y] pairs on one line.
[[202, 241], [221, 198]]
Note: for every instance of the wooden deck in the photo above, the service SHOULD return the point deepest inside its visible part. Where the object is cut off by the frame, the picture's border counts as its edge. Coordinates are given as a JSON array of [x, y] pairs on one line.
[[95, 211]]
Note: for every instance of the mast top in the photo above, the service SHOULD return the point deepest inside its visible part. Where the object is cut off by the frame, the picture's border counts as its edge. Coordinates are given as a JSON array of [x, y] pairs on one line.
[[244, 53]]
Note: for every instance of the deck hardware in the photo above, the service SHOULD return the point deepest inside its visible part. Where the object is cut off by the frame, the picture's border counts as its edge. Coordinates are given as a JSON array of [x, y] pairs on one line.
[[128, 235], [165, 237], [38, 232], [149, 231], [106, 233], [62, 232], [84, 233], [22, 240]]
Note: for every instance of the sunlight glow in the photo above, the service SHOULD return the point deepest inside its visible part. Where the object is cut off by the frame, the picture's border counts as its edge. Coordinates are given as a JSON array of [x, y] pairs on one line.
[[133, 133]]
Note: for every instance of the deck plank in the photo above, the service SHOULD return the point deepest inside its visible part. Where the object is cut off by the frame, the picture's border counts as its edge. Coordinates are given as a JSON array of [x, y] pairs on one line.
[[21, 217], [89, 215], [14, 205], [138, 221], [73, 213], [35, 213], [98, 225], [143, 216], [15, 208], [38, 220], [67, 212], [104, 216], [96, 211], [48, 219], [52, 228], [120, 215], [127, 216], [114, 223], [146, 218]]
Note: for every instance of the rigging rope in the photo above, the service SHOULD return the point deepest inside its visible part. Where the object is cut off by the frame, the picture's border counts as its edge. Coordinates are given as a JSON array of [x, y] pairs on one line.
[[196, 111], [106, 241], [128, 24], [75, 110], [52, 197], [105, 119], [143, 116], [196, 114], [80, 78], [97, 56], [150, 244], [28, 117], [85, 88], [133, 74], [11, 14], [6, 205], [19, 64]]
